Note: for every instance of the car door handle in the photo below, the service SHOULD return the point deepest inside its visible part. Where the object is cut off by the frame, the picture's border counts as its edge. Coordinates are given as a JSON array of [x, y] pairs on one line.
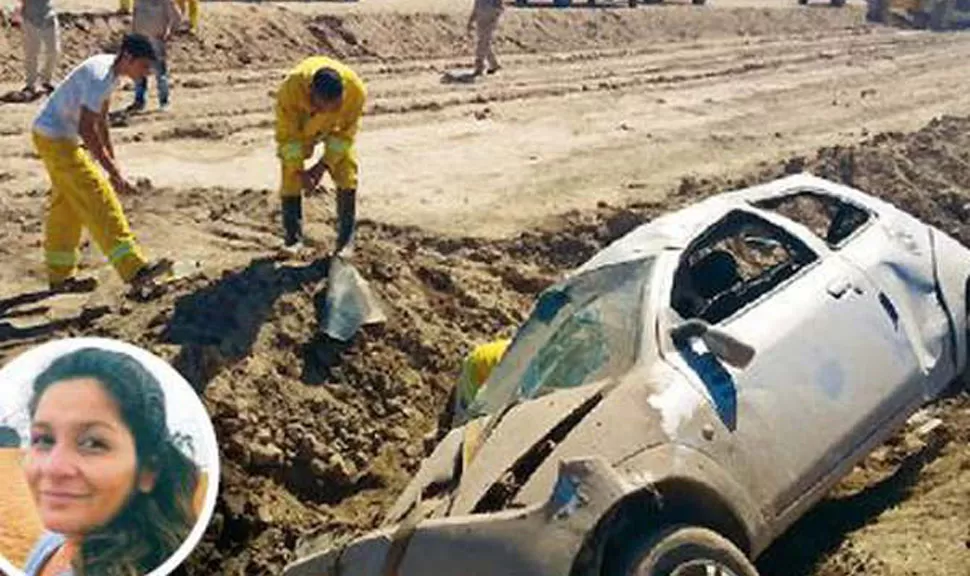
[[837, 288]]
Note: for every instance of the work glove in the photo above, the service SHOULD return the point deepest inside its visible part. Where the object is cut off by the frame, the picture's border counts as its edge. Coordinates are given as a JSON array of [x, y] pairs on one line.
[[311, 178]]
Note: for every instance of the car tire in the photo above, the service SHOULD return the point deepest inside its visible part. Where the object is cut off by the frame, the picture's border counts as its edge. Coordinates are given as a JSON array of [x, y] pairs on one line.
[[669, 551], [803, 2], [632, 3], [698, 2]]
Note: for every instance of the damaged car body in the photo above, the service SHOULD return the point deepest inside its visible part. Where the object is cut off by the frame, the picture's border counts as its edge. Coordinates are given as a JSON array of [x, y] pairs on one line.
[[677, 402]]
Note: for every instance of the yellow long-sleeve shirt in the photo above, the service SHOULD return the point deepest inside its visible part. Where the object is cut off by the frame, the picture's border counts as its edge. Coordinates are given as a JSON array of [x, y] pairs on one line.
[[477, 367], [299, 129]]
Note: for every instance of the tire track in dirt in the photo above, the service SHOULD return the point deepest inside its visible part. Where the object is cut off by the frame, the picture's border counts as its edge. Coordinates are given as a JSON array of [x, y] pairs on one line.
[[264, 36], [402, 93], [720, 96]]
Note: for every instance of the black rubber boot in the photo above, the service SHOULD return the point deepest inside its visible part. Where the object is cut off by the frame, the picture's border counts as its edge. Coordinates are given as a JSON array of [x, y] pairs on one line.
[[346, 218], [292, 220]]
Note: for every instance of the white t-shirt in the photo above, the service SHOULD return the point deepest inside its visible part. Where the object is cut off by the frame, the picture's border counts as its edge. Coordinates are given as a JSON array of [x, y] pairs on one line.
[[88, 85]]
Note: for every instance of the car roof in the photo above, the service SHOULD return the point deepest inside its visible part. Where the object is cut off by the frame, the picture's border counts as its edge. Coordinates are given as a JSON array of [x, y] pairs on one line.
[[677, 229]]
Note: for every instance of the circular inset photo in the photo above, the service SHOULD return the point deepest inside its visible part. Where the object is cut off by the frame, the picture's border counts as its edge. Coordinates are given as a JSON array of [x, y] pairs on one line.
[[108, 462]]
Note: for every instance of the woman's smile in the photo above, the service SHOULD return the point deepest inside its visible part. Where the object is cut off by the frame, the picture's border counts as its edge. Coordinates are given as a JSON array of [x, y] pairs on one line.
[[57, 498]]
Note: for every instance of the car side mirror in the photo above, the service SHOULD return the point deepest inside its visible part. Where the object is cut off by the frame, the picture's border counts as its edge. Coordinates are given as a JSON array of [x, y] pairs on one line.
[[720, 343]]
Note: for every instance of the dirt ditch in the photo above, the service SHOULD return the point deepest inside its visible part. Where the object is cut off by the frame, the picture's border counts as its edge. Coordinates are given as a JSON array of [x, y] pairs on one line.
[[318, 437]]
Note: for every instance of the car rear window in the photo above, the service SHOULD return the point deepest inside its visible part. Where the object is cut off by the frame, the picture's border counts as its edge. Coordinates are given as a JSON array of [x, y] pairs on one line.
[[830, 218]]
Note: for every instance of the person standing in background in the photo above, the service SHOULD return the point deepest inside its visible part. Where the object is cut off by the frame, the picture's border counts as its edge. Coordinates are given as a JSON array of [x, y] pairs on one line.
[[191, 8], [39, 21], [320, 101], [484, 17], [155, 19]]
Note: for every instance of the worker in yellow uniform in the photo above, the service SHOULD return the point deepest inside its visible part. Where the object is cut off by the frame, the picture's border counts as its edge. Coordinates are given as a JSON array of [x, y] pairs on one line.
[[192, 8], [320, 101], [70, 129], [475, 370], [125, 6]]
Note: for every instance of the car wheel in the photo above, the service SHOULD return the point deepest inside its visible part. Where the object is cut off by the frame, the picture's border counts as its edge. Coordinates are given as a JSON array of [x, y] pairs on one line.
[[632, 3], [697, 2], [803, 2], [688, 551]]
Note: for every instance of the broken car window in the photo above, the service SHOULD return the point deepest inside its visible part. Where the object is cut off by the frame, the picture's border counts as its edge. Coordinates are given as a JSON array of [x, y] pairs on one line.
[[734, 263], [829, 218], [580, 331]]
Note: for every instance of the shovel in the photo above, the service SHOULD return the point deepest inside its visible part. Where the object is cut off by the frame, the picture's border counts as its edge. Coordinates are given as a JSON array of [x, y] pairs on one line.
[[349, 302]]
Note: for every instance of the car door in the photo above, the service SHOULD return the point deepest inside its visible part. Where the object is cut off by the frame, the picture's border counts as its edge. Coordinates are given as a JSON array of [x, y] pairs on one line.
[[895, 253], [827, 355]]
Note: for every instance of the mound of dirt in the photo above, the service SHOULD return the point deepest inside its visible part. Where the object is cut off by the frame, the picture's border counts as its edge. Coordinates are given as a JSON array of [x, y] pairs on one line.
[[317, 437], [268, 36]]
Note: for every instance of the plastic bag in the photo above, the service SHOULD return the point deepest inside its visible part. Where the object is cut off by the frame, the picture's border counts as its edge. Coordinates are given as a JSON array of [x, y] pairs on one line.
[[349, 303]]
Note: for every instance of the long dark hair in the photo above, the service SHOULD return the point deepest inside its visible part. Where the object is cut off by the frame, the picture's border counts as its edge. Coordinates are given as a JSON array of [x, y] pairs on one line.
[[151, 526]]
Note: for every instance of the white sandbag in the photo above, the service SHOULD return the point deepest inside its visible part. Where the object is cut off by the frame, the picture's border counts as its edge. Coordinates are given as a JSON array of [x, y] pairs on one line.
[[350, 303]]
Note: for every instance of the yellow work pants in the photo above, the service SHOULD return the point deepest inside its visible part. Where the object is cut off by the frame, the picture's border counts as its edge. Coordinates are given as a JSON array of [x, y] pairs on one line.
[[125, 6], [193, 11], [291, 183], [82, 197]]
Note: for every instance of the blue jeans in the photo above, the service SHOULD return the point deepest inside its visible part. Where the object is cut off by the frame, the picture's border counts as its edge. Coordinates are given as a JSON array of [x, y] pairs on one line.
[[161, 78]]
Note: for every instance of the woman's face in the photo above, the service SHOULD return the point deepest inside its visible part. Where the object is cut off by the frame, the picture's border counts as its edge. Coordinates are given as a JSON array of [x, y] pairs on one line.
[[81, 465]]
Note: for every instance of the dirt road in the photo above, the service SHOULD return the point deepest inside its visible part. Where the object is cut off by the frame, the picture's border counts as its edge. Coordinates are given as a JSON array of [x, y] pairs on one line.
[[557, 131], [592, 107]]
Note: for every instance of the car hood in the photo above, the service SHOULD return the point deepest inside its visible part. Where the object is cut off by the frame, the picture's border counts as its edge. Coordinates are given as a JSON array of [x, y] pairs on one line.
[[517, 464]]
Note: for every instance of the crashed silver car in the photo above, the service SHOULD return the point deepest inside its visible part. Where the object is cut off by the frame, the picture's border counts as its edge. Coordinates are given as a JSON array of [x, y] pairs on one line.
[[677, 402]]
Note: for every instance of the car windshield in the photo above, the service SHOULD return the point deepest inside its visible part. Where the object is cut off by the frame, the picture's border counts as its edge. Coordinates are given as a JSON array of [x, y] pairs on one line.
[[581, 331]]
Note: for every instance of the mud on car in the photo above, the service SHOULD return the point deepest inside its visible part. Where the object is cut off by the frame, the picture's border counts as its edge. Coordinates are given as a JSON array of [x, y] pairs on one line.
[[677, 402]]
